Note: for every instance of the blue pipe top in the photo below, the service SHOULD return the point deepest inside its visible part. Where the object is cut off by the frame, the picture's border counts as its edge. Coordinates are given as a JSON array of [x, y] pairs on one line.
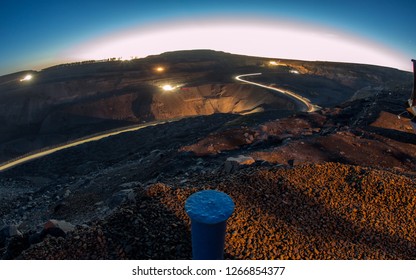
[[209, 207]]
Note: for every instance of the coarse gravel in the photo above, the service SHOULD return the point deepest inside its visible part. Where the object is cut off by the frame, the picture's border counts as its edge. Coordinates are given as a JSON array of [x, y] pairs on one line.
[[311, 211]]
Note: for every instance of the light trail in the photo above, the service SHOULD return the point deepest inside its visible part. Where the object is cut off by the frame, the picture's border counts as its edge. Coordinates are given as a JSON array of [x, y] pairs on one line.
[[48, 151], [310, 107]]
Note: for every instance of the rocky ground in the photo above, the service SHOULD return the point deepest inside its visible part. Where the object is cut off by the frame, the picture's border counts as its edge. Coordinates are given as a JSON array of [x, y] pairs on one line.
[[335, 184]]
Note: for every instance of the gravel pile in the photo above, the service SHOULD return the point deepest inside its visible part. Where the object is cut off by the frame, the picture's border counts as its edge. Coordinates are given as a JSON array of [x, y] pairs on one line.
[[316, 211]]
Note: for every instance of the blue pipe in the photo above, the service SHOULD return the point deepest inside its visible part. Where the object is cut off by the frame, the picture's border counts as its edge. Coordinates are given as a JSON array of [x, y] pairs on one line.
[[209, 211]]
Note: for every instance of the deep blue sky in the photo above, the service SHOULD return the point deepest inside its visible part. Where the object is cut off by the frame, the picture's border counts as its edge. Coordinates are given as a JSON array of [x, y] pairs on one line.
[[34, 33]]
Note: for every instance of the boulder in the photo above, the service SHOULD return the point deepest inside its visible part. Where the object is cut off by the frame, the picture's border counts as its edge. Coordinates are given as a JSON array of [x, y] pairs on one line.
[[234, 163], [57, 228]]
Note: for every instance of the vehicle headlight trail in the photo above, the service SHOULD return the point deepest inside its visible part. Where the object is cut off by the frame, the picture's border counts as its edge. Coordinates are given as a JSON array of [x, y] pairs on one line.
[[310, 107]]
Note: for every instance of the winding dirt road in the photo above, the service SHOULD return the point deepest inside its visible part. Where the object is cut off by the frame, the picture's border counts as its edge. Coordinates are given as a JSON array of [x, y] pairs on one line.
[[310, 107], [37, 154], [96, 137]]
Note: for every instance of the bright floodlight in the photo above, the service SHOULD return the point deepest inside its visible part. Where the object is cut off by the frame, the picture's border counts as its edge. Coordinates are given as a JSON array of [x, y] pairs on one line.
[[27, 78], [167, 87], [294, 71], [160, 69], [273, 62]]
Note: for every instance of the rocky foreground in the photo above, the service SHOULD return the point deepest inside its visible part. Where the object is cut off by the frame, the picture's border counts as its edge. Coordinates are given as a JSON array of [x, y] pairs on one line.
[[335, 184], [321, 211]]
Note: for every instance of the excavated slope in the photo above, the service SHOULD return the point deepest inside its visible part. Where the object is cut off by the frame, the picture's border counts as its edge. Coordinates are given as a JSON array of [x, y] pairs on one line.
[[181, 102], [70, 101]]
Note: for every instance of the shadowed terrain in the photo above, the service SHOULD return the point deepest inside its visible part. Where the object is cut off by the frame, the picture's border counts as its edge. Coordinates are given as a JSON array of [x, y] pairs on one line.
[[338, 183], [66, 102]]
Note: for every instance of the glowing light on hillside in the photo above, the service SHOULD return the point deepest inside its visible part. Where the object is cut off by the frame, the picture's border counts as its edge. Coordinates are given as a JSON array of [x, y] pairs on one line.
[[26, 78], [294, 72], [168, 87], [274, 63], [160, 69]]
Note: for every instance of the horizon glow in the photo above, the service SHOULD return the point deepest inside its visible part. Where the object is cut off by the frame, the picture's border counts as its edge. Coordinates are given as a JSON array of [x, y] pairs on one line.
[[263, 38]]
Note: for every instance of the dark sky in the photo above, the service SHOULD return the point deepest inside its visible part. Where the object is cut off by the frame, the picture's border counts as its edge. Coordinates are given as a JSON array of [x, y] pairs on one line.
[[35, 34]]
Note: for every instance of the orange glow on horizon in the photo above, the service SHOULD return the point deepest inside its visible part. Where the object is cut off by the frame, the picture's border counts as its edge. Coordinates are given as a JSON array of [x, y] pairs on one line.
[[273, 39]]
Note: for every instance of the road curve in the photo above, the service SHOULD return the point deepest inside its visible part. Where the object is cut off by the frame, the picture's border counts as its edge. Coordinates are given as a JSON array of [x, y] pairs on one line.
[[310, 107], [38, 154]]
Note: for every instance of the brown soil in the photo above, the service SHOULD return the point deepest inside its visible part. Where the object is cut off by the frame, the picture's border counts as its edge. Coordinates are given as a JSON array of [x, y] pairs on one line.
[[320, 211]]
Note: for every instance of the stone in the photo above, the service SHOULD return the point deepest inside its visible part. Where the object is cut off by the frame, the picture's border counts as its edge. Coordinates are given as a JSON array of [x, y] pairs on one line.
[[67, 193], [121, 197], [57, 228], [234, 163]]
